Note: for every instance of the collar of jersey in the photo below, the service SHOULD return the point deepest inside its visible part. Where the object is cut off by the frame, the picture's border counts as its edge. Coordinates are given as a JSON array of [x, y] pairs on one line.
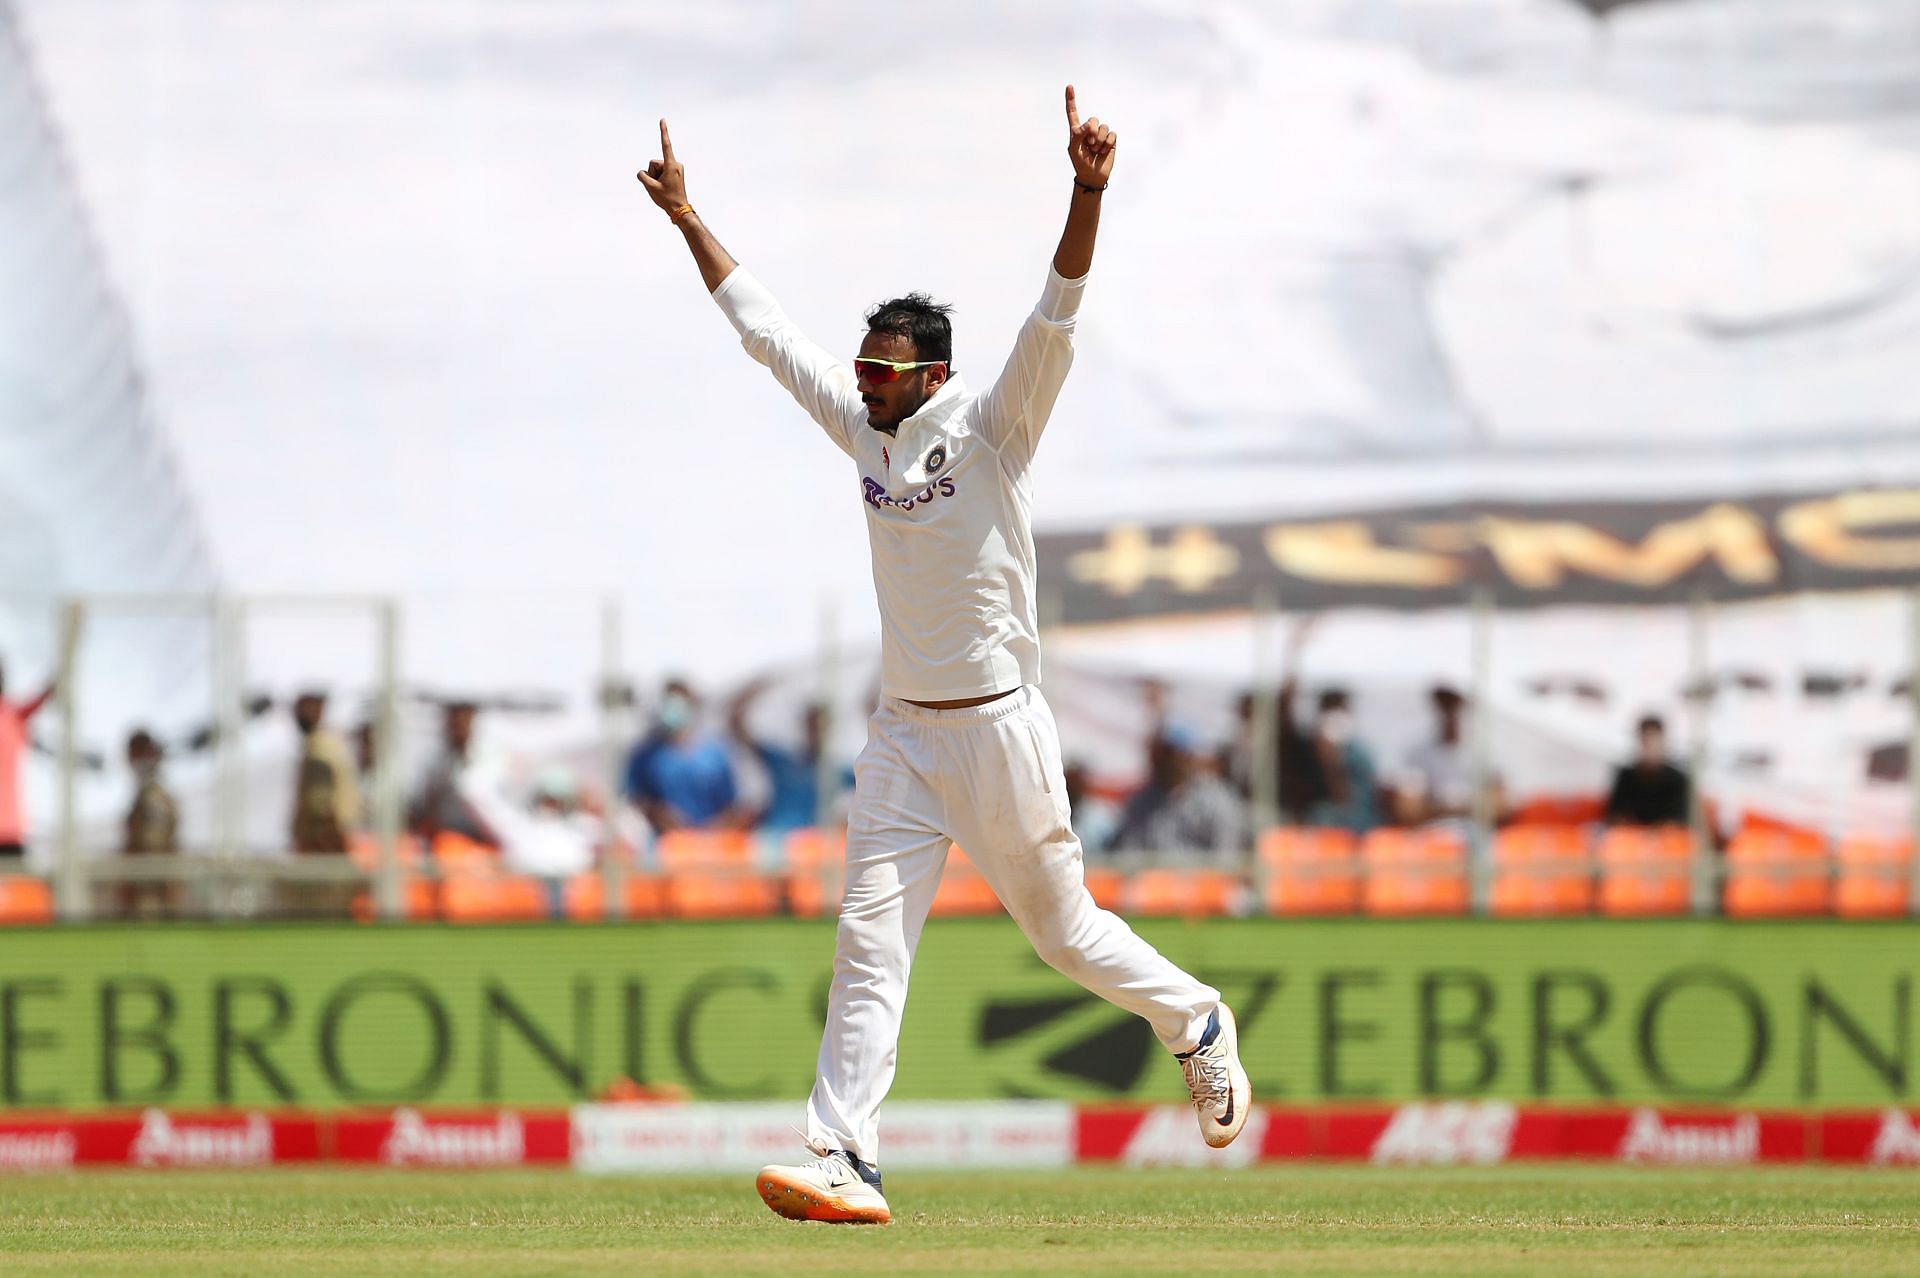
[[918, 434]]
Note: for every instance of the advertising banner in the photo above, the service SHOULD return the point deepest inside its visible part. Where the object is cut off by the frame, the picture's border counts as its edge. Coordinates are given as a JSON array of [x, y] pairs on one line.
[[1746, 1015], [745, 1136], [1529, 554]]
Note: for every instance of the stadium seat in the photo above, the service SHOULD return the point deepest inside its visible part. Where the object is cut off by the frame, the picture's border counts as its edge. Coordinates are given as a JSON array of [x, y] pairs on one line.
[[962, 890], [1874, 877], [457, 854], [1645, 871], [1181, 893], [1107, 887], [1414, 872], [1560, 809], [585, 896], [1311, 871], [1776, 873], [815, 871], [421, 901], [721, 894], [493, 898], [706, 850], [24, 900], [364, 850], [1541, 870]]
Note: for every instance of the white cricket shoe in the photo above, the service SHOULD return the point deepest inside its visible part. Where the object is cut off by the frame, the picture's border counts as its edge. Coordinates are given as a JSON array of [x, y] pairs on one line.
[[835, 1186], [1215, 1079]]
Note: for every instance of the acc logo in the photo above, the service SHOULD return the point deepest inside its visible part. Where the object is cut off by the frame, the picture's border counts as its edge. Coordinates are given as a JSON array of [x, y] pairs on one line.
[[936, 459]]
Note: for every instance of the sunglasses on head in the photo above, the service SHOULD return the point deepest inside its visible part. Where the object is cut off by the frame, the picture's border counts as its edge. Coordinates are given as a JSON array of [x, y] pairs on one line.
[[868, 369]]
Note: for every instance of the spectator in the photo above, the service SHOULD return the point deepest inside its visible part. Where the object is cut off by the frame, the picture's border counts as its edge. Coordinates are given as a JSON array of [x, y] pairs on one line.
[[1237, 759], [1327, 776], [1650, 790], [326, 805], [1185, 806], [14, 716], [152, 828], [793, 801], [677, 776], [1092, 817], [441, 804], [556, 840], [1436, 782]]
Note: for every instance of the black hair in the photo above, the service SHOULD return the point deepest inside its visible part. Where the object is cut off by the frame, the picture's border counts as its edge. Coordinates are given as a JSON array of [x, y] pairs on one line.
[[1335, 699], [1652, 723], [920, 320]]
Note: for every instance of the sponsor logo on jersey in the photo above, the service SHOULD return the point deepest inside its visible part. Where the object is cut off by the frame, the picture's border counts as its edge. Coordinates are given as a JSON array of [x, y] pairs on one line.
[[877, 496]]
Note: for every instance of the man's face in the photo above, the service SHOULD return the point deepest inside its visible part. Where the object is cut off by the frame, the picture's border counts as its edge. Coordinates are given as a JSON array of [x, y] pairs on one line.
[[890, 403], [458, 727], [307, 712], [1653, 746]]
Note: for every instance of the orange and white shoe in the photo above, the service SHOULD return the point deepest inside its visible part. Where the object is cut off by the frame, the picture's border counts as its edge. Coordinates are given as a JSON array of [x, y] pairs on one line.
[[1216, 1081], [834, 1186]]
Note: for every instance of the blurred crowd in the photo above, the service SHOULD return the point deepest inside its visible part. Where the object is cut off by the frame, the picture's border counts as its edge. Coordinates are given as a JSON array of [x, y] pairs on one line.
[[698, 768]]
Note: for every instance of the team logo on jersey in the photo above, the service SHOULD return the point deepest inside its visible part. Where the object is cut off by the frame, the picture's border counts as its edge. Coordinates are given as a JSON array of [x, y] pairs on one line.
[[936, 459]]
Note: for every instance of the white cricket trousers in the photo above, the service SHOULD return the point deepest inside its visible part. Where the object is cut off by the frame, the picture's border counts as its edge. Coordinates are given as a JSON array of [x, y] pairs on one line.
[[989, 779]]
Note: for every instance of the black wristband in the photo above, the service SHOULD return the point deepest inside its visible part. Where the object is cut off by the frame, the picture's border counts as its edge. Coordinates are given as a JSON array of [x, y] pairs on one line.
[[1090, 190]]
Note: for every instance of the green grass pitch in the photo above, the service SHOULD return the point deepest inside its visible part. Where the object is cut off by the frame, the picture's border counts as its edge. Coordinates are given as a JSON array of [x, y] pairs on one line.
[[1558, 1220]]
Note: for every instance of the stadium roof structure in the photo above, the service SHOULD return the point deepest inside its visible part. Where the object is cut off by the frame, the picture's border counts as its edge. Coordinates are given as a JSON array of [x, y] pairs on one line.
[[90, 498]]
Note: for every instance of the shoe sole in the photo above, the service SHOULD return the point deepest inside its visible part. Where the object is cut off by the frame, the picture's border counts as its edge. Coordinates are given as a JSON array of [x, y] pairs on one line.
[[1240, 1089], [797, 1200]]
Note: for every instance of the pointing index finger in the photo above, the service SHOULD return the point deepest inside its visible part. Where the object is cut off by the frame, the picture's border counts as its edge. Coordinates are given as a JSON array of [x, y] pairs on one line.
[[666, 143], [1073, 112]]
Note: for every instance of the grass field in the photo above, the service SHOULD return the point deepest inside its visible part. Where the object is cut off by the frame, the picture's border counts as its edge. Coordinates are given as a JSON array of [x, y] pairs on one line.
[[1556, 1220]]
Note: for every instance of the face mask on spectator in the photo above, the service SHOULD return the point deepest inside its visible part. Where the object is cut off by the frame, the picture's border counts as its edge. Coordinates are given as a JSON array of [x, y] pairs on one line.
[[1337, 726], [675, 711]]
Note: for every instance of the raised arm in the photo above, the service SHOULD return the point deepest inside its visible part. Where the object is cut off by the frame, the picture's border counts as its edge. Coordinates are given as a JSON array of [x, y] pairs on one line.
[[1014, 413], [1090, 146], [820, 383], [666, 183]]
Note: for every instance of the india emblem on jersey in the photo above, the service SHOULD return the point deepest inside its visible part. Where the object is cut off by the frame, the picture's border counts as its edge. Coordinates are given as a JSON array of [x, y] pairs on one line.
[[936, 459]]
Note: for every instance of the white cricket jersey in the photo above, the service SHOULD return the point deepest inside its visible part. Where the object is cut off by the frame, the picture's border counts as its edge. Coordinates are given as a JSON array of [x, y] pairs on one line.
[[949, 499]]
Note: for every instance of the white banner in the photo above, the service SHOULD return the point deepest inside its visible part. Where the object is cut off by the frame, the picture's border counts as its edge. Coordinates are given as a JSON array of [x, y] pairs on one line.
[[743, 1137]]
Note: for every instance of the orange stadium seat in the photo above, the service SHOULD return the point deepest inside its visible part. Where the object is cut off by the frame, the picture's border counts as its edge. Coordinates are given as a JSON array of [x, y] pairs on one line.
[[1646, 871], [644, 896], [1107, 887], [816, 863], [706, 849], [1311, 871], [24, 899], [1875, 877], [1541, 870], [456, 853], [364, 849], [1414, 872], [1776, 873], [963, 890], [493, 898], [1181, 893], [420, 901], [711, 894], [1560, 809]]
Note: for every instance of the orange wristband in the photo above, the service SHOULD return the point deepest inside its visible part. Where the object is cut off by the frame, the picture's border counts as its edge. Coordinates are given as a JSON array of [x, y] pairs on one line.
[[679, 213]]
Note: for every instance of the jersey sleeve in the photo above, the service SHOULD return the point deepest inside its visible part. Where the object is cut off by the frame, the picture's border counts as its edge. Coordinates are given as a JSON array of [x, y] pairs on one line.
[[1014, 413], [817, 381]]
